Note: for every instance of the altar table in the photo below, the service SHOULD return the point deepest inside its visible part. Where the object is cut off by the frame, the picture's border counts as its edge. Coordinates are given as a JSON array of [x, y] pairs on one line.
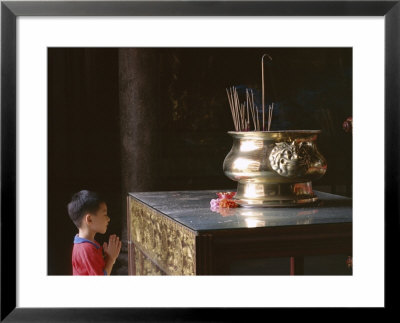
[[176, 233]]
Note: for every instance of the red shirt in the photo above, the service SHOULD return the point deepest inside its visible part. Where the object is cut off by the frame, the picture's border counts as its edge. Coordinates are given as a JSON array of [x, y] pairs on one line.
[[87, 258]]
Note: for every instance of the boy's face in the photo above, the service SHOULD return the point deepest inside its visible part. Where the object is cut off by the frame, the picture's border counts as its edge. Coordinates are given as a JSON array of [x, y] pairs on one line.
[[99, 220]]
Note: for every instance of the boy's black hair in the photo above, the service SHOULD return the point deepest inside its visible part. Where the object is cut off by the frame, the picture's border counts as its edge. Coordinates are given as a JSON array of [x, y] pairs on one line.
[[82, 203]]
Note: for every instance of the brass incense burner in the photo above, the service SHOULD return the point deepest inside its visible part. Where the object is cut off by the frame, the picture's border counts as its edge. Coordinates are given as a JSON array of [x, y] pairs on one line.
[[274, 168]]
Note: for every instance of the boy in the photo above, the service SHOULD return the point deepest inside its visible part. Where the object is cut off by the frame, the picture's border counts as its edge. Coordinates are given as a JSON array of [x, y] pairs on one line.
[[89, 214]]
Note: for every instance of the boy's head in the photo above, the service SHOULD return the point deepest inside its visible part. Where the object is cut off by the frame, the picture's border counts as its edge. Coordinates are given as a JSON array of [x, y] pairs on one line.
[[87, 207]]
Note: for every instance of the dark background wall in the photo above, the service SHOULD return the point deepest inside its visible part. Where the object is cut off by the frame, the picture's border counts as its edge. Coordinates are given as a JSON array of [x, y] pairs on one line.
[[122, 120]]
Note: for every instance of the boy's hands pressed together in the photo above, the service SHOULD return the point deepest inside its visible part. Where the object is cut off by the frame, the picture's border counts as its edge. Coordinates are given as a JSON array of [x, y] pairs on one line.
[[111, 251], [113, 248]]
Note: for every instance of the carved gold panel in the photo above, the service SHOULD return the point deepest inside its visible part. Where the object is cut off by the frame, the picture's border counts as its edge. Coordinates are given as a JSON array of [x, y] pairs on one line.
[[168, 244], [144, 266]]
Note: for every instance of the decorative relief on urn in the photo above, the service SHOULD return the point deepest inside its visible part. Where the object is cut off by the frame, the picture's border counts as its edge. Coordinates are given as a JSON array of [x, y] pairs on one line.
[[291, 159]]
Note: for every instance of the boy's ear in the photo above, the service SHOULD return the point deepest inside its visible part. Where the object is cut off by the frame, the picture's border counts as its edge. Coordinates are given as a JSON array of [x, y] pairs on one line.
[[87, 218]]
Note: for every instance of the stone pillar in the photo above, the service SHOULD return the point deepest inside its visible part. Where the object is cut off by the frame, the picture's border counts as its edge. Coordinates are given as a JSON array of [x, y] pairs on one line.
[[139, 102]]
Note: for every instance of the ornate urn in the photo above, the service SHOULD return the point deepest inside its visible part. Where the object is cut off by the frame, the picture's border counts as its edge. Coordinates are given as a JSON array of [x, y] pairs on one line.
[[274, 168]]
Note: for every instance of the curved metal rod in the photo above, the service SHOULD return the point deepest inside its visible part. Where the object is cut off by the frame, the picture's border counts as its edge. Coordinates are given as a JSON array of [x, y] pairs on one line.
[[262, 75]]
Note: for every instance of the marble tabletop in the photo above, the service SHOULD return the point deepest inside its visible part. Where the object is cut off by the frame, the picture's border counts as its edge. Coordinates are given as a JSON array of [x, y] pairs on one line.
[[192, 209]]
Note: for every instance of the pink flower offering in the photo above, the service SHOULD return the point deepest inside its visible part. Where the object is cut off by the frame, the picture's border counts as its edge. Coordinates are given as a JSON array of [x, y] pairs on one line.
[[214, 204]]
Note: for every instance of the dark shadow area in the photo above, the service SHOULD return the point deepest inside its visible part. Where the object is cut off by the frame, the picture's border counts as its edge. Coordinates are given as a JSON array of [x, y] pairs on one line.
[[83, 142], [313, 266]]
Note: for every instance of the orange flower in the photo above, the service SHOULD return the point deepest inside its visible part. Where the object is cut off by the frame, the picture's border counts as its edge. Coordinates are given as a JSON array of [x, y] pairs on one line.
[[228, 203], [224, 201]]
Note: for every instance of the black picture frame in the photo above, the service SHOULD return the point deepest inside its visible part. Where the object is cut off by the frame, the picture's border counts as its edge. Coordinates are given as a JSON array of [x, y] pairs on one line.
[[10, 10]]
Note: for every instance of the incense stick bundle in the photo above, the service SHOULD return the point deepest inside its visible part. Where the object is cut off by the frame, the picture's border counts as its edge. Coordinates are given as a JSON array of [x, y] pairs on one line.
[[241, 111]]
